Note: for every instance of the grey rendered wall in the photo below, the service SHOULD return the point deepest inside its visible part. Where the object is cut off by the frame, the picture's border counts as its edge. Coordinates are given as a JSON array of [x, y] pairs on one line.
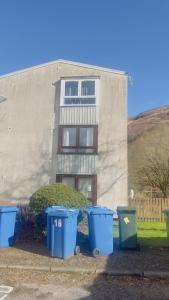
[[26, 129], [112, 141], [29, 131]]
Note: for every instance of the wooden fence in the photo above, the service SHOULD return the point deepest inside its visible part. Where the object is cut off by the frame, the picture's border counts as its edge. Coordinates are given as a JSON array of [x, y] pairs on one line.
[[150, 209]]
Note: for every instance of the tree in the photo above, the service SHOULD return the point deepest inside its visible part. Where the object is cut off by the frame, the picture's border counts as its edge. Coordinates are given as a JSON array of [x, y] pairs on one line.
[[155, 173], [153, 170]]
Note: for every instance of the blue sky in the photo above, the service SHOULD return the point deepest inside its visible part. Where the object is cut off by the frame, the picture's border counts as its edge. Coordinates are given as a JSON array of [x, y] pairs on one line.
[[130, 35]]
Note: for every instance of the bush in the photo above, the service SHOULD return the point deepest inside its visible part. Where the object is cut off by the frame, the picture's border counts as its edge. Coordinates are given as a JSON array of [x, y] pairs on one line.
[[142, 195], [23, 217], [54, 194]]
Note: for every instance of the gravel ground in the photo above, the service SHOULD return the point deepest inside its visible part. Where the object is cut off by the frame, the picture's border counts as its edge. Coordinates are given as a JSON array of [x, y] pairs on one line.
[[43, 285], [38, 285], [33, 253]]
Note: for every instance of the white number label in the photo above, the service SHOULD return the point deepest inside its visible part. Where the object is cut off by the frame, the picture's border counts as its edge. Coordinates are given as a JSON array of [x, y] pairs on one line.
[[58, 222]]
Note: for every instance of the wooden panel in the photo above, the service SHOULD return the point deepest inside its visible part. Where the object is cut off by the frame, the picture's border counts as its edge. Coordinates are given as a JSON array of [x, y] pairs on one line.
[[76, 164], [150, 209], [78, 115]]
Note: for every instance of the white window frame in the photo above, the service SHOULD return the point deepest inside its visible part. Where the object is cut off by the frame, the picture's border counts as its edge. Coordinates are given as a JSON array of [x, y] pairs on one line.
[[96, 96]]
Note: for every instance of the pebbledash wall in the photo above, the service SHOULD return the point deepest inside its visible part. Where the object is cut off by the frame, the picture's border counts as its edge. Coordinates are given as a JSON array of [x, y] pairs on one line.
[[30, 118]]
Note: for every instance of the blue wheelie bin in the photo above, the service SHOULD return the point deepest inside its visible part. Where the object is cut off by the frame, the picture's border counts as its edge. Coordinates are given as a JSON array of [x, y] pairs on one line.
[[100, 224], [7, 225], [47, 211], [63, 232]]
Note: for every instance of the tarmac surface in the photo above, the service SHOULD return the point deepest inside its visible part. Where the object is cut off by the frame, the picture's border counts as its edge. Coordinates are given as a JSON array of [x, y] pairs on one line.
[[49, 286], [28, 254], [29, 269]]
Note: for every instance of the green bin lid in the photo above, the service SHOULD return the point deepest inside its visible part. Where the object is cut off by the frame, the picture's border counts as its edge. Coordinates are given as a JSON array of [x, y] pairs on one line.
[[166, 211], [126, 209]]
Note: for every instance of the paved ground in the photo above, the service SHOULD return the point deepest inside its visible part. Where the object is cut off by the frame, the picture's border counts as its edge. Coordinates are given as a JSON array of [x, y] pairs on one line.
[[35, 254], [37, 285]]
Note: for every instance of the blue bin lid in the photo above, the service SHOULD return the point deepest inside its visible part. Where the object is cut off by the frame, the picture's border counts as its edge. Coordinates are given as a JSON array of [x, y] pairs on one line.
[[53, 208], [8, 209], [63, 212], [98, 210]]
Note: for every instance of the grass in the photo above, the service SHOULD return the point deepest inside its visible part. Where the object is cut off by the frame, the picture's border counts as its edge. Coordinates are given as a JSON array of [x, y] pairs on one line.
[[150, 234]]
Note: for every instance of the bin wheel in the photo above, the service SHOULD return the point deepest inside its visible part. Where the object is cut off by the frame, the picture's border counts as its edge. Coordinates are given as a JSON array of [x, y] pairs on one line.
[[77, 250], [96, 252]]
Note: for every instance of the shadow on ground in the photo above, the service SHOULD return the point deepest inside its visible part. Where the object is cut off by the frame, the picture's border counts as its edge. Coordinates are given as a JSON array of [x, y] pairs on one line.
[[133, 287], [148, 258]]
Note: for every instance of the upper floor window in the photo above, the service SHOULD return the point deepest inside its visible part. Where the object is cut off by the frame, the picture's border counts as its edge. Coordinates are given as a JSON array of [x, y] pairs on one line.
[[79, 91], [78, 139]]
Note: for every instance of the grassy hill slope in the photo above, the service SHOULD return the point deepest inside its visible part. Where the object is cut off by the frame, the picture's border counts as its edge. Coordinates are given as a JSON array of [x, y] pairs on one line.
[[147, 131]]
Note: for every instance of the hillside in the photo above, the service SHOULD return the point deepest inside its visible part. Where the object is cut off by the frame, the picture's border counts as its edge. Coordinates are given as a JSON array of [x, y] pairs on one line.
[[147, 132], [148, 120]]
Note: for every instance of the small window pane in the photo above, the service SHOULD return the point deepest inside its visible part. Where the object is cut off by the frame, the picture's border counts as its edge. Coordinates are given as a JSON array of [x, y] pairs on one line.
[[85, 150], [88, 88], [69, 137], [69, 150], [86, 137], [80, 101], [85, 186], [69, 181], [71, 88]]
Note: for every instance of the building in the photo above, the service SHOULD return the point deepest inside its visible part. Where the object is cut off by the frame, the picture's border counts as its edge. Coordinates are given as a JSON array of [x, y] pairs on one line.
[[64, 121]]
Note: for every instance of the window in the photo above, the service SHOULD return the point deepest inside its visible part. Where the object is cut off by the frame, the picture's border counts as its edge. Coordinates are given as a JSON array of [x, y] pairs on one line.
[[88, 88], [79, 91], [70, 181], [86, 136], [78, 139], [85, 184], [71, 88], [69, 137]]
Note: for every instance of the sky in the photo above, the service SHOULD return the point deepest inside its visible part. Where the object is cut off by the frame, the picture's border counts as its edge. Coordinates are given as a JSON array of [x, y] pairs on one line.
[[129, 35]]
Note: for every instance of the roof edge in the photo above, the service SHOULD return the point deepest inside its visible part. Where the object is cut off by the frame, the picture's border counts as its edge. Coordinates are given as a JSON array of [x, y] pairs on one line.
[[65, 62]]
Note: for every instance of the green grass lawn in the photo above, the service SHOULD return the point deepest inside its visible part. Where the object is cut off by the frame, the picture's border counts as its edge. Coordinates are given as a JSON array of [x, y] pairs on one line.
[[150, 234]]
